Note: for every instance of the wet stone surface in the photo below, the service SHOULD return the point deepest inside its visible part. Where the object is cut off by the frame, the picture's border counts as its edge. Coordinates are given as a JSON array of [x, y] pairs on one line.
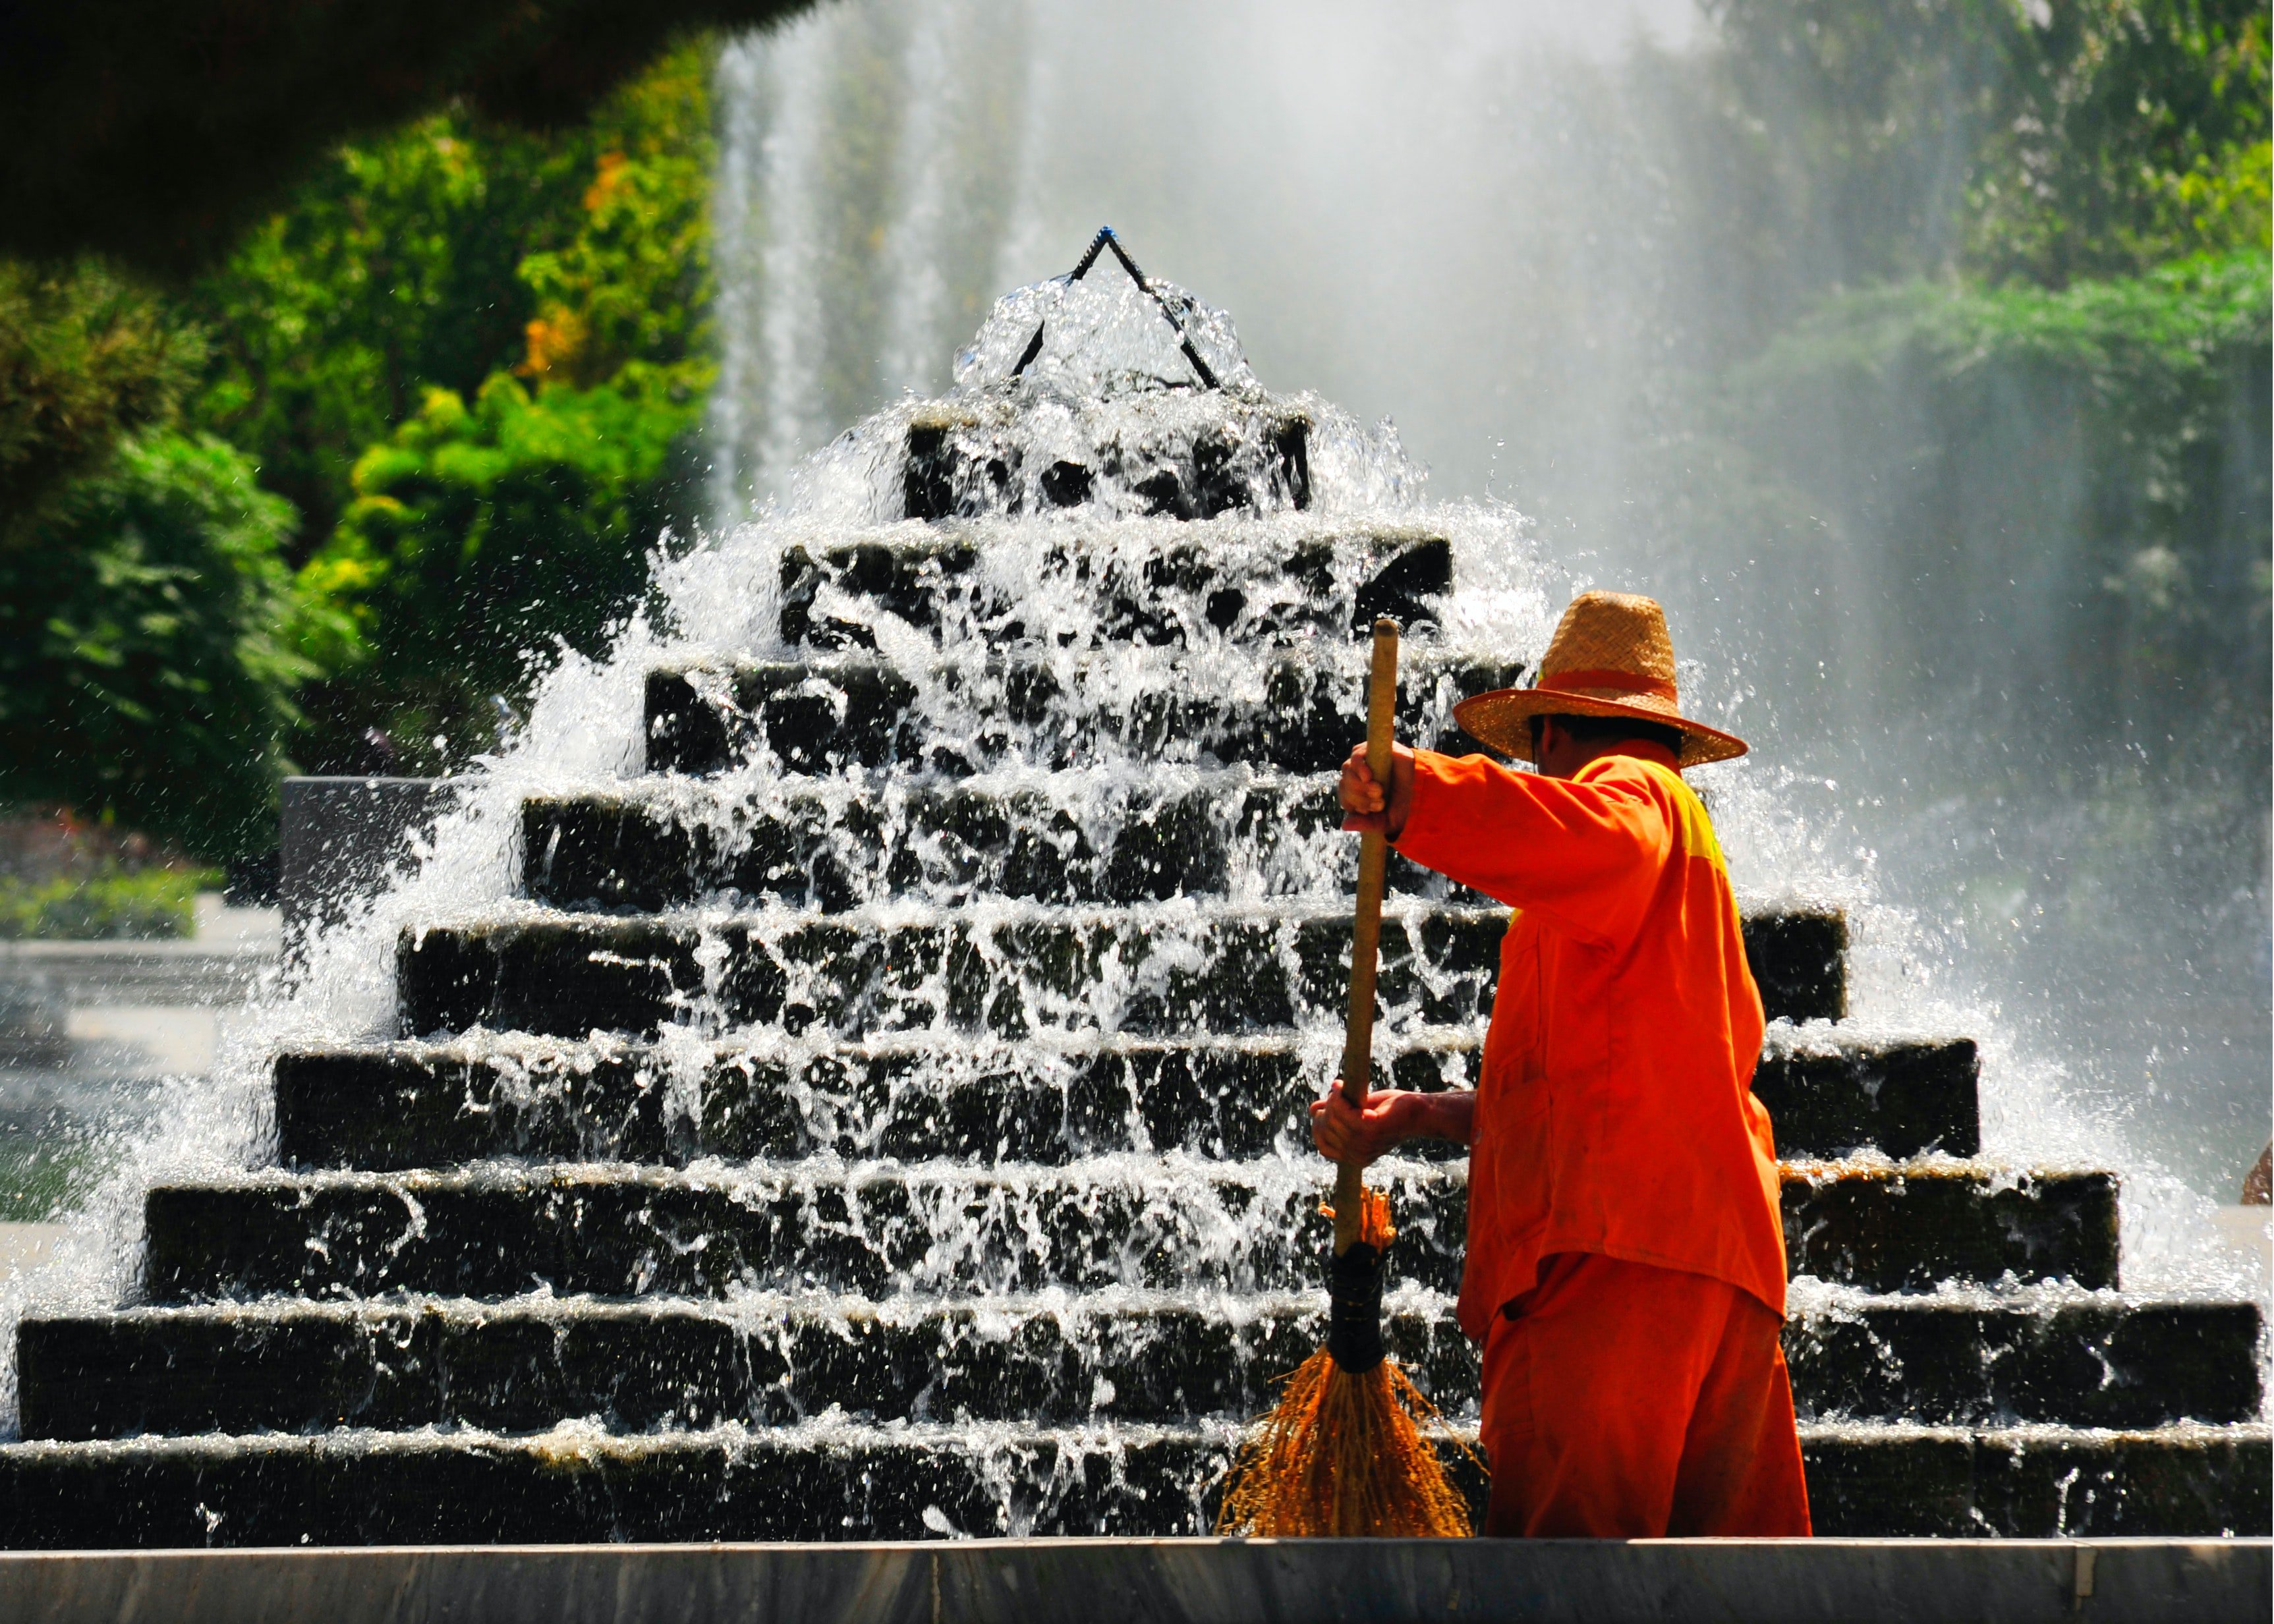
[[409, 1107], [1175, 594], [361, 1489], [294, 1367], [1900, 1098], [1242, 1227], [1177, 972], [1910, 1228], [881, 1115], [1054, 713], [1188, 969], [391, 1109], [614, 1233], [2105, 1365]]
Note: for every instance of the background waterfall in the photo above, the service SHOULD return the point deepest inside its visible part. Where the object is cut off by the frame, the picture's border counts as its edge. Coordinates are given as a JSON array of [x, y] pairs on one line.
[[1544, 238]]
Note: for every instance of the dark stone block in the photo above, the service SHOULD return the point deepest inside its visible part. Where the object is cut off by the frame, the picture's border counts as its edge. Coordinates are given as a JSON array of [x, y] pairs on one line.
[[296, 1369], [2120, 1366], [1173, 597], [968, 466], [494, 1233], [826, 715], [677, 1365], [341, 835], [1799, 959], [1204, 973], [302, 1368], [1907, 1229], [1865, 1483], [569, 979], [397, 1108], [845, 850], [1903, 1099], [2132, 1485], [362, 1489], [382, 1111], [1405, 588]]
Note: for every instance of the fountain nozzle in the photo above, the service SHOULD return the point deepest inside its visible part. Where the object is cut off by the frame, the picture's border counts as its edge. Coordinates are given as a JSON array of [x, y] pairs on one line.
[[1105, 239]]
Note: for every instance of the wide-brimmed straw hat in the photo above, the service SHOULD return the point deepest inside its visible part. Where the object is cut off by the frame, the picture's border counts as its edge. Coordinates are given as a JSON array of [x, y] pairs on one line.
[[1610, 657]]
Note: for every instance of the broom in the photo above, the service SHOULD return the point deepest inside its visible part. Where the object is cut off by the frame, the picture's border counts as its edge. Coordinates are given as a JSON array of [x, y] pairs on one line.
[[1342, 1452]]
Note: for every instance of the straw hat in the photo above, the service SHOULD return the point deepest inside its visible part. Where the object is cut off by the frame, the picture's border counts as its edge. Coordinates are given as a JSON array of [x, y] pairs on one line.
[[1610, 657]]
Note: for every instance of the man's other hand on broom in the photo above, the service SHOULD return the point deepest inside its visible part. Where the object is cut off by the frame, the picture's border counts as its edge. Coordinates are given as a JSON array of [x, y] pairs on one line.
[[1347, 1132], [1361, 797]]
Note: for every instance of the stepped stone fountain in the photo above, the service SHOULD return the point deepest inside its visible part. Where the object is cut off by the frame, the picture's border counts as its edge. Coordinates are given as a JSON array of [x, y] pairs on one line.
[[881, 1115]]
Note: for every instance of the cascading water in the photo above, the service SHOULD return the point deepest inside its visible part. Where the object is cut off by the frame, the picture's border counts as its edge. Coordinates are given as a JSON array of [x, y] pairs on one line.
[[1549, 236], [839, 1073]]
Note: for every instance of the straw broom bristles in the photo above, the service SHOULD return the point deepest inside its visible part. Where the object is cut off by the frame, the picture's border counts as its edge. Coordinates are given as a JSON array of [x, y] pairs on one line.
[[1344, 1454]]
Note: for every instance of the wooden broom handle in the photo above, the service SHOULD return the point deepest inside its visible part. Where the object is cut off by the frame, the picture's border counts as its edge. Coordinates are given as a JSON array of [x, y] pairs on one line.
[[1365, 929]]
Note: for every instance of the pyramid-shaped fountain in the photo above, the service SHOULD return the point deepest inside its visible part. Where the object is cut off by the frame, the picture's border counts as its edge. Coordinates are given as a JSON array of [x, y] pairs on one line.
[[880, 1114]]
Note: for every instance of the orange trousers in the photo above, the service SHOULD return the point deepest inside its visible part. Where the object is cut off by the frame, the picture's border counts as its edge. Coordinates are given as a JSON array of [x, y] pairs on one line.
[[1624, 1401]]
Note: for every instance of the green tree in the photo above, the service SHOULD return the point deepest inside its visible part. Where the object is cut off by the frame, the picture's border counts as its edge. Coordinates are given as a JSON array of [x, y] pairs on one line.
[[85, 358], [503, 518], [445, 252], [631, 282], [394, 272], [2045, 140], [2128, 135], [150, 638], [2108, 438], [483, 536]]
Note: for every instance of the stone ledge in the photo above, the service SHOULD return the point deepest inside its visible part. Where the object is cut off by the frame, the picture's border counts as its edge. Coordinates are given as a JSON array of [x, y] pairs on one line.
[[141, 972], [827, 1479], [1172, 1581]]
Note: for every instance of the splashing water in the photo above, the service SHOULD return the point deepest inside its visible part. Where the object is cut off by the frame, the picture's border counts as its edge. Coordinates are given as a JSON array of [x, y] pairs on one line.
[[1118, 560]]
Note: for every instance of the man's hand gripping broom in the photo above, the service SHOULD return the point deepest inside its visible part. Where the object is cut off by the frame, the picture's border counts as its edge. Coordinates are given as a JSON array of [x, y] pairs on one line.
[[1343, 1454]]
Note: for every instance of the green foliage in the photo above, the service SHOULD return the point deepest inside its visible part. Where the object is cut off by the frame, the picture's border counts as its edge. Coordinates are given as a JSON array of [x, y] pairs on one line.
[[149, 637], [112, 902], [2039, 139], [46, 1173], [85, 358], [437, 255], [632, 283], [482, 536], [394, 272], [2130, 134], [2108, 439], [472, 538]]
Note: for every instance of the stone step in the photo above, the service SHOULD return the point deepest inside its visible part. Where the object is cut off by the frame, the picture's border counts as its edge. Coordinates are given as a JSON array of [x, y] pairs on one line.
[[970, 460], [1836, 1091], [502, 1231], [1010, 969], [1076, 839], [1139, 1221], [415, 1105], [2077, 1359], [406, 1105], [1154, 585], [1915, 1226], [677, 1365], [830, 1480], [1165, 969], [1300, 712]]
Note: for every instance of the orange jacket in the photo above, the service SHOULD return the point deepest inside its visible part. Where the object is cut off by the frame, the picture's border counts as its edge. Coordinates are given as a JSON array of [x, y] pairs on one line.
[[1615, 1113]]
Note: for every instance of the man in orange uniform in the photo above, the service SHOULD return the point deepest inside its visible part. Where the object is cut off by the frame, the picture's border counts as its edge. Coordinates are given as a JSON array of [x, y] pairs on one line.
[[1625, 1268]]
